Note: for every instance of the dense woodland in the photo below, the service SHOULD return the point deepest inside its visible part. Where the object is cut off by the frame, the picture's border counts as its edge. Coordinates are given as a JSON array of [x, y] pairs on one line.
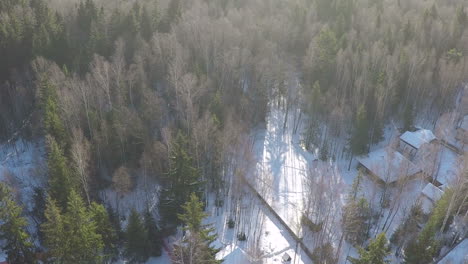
[[168, 90]]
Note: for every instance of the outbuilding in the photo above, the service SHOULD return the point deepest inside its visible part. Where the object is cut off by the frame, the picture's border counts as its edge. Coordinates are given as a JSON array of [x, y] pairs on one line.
[[387, 166]]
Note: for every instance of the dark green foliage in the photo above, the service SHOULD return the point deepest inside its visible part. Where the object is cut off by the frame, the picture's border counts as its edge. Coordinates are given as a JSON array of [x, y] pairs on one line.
[[326, 48], [408, 118], [61, 182], [356, 217], [154, 235], [231, 224], [324, 152], [409, 228], [375, 253], [72, 236], [425, 247], [359, 136], [182, 180], [196, 245], [53, 124], [136, 238], [18, 245], [105, 229], [241, 236]]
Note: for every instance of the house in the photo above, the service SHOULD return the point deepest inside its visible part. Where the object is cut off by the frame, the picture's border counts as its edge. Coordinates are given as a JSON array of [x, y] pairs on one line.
[[429, 196], [387, 166], [462, 131], [411, 142], [457, 255]]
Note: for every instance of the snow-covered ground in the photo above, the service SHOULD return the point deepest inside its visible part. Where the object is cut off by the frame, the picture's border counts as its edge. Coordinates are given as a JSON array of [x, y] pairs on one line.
[[22, 167], [266, 239]]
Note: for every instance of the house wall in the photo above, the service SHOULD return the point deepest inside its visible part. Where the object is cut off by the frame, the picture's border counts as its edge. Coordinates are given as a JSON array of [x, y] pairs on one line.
[[407, 150]]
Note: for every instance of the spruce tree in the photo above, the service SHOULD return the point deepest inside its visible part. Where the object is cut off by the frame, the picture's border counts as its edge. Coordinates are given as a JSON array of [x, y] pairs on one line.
[[72, 237], [136, 238], [356, 217], [60, 178], [104, 228], [196, 245], [53, 124], [359, 136], [54, 231], [154, 235], [376, 252], [18, 245], [408, 117], [182, 179]]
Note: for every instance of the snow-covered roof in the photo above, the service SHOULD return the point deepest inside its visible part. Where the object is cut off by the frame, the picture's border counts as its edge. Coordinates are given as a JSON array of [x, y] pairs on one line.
[[388, 164], [418, 138], [233, 255], [432, 192], [457, 255], [464, 124]]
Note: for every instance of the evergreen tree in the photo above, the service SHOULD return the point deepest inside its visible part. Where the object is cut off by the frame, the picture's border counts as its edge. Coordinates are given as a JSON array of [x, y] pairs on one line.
[[53, 124], [60, 179], [356, 186], [325, 52], [84, 243], [136, 238], [408, 117], [182, 179], [18, 245], [154, 235], [72, 237], [356, 217], [196, 246], [104, 228], [359, 136], [54, 231], [376, 252]]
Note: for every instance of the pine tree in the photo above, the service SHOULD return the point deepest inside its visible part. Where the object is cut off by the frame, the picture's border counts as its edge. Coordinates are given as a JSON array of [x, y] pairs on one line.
[[136, 238], [376, 252], [154, 235], [18, 245], [60, 179], [196, 246]]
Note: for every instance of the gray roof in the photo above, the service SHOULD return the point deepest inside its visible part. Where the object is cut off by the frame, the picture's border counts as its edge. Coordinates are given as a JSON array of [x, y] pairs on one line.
[[418, 138], [388, 165]]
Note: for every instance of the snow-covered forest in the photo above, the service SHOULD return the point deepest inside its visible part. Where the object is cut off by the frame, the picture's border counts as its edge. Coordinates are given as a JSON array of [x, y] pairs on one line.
[[234, 131]]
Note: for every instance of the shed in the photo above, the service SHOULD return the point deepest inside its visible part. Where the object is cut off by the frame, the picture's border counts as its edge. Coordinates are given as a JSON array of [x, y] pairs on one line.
[[429, 196], [286, 257], [387, 166], [411, 142]]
